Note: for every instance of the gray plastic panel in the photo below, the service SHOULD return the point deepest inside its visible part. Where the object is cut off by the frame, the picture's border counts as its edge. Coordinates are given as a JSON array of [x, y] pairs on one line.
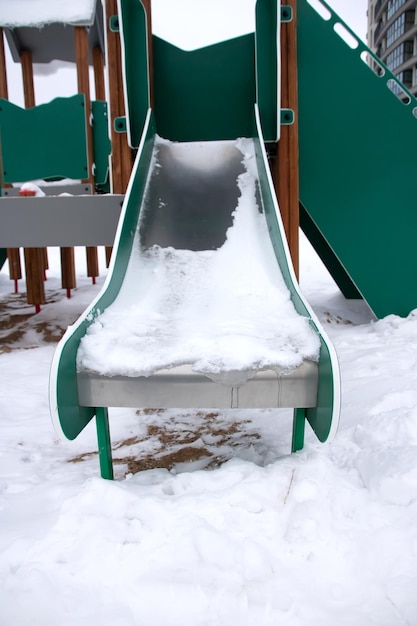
[[59, 221], [180, 387]]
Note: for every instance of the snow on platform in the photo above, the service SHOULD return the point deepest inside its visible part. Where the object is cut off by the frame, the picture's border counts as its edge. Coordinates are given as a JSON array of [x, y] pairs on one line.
[[14, 13]]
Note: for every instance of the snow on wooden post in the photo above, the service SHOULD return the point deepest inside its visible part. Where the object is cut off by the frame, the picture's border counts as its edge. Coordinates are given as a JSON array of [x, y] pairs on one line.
[[13, 254], [83, 80], [285, 169], [121, 158], [34, 257]]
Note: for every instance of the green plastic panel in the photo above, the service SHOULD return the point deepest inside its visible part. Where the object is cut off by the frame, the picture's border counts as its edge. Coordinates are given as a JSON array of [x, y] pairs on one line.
[[72, 417], [358, 163], [205, 94], [267, 28], [3, 257], [101, 143], [133, 32], [45, 141], [324, 417], [335, 268]]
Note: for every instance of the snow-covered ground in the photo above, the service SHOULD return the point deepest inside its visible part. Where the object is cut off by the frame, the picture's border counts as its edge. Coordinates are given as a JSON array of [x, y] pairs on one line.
[[222, 525]]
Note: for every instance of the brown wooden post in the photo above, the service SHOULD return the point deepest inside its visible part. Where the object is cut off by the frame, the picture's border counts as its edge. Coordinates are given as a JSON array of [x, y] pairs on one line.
[[285, 167], [121, 158], [68, 277], [13, 254], [34, 257], [4, 93], [83, 80], [29, 95], [98, 64]]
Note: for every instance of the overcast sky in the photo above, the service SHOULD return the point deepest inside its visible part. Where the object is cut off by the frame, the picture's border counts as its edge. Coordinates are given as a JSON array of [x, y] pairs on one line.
[[200, 14], [353, 12]]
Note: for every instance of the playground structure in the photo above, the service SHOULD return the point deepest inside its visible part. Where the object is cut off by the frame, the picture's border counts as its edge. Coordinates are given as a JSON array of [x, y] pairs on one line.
[[301, 88], [195, 100], [67, 138]]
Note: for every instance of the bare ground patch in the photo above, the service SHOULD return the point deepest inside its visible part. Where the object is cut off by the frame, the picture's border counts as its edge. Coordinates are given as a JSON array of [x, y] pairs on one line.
[[22, 328], [190, 440]]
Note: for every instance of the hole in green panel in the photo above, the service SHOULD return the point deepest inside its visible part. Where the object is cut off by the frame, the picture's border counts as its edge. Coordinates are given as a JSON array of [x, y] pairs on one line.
[[346, 35], [373, 63], [320, 8], [398, 90]]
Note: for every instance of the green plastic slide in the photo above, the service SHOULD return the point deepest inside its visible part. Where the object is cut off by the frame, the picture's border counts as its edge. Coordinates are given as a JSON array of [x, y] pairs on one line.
[[71, 416]]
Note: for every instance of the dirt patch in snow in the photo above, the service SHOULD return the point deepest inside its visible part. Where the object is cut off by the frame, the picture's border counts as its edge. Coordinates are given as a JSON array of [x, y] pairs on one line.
[[191, 440], [22, 328]]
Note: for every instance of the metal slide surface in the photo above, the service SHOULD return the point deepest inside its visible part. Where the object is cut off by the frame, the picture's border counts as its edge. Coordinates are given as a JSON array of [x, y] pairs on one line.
[[188, 221], [358, 160]]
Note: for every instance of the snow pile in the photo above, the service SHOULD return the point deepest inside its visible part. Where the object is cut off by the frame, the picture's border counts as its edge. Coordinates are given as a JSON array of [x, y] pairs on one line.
[[226, 312], [15, 13], [31, 189]]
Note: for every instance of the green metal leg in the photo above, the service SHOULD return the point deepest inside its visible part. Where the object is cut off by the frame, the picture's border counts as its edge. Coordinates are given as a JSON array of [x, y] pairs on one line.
[[298, 427], [104, 444]]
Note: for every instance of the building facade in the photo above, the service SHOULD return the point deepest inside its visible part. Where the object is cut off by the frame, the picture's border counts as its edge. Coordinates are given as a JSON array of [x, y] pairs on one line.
[[392, 36]]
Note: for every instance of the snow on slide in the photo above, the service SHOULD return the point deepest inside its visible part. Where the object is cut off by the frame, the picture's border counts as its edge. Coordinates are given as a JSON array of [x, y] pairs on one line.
[[226, 312]]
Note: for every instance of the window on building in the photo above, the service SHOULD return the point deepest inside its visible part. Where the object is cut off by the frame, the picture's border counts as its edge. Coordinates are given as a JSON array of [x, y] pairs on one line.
[[396, 30], [400, 54], [406, 77], [402, 24], [377, 8], [393, 6]]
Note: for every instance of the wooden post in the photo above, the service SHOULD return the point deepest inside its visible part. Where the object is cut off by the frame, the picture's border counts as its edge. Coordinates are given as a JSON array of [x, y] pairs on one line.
[[34, 257], [3, 74], [68, 278], [29, 95], [13, 254], [121, 158], [98, 64], [83, 80], [285, 167]]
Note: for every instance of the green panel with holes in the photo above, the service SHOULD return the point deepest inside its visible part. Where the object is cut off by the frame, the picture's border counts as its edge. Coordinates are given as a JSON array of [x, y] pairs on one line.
[[358, 163], [45, 141]]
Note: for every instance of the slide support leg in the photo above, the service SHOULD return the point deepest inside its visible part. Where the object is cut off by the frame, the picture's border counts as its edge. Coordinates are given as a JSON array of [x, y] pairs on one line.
[[298, 427], [104, 444]]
